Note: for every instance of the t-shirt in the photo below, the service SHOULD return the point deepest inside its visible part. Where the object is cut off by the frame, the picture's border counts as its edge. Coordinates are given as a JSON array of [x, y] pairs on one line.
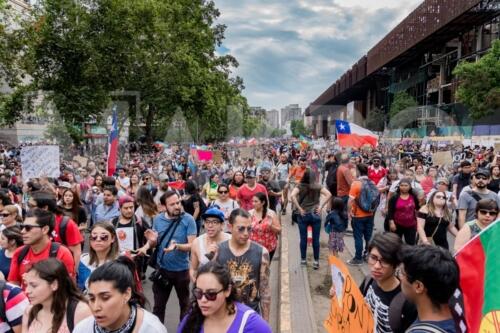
[[17, 271], [245, 195], [354, 193], [461, 180], [379, 302], [468, 202], [254, 322], [15, 303], [297, 173], [404, 214], [447, 326], [344, 180], [150, 324], [176, 260], [376, 174], [73, 235], [4, 263], [282, 171]]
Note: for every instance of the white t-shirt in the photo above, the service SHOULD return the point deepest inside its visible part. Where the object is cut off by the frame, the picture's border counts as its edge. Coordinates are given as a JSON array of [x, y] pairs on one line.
[[150, 324]]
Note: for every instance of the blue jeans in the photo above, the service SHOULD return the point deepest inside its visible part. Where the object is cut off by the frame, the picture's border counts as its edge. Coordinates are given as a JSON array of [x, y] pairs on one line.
[[309, 219], [362, 227]]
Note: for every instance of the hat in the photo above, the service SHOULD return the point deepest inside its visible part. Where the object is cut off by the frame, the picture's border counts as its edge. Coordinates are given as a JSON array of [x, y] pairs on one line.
[[163, 177], [443, 180], [250, 174], [125, 199], [64, 185], [213, 212], [483, 172], [265, 168]]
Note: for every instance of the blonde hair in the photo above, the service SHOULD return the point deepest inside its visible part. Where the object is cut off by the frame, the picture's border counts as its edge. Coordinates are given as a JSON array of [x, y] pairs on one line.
[[446, 210], [13, 209]]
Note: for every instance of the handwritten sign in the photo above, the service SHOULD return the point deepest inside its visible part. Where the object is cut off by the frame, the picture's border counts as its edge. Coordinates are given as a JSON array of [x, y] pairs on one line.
[[217, 156], [442, 158], [38, 161], [348, 310], [82, 160], [204, 155], [247, 152]]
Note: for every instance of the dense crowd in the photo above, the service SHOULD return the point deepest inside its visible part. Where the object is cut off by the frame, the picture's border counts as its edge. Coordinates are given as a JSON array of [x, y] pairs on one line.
[[75, 250]]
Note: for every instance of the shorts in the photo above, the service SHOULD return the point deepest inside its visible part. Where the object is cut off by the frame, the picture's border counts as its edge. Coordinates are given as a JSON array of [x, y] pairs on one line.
[[336, 241]]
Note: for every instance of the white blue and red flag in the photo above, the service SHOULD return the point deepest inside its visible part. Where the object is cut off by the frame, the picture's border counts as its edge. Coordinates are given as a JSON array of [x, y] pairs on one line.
[[352, 135], [113, 143]]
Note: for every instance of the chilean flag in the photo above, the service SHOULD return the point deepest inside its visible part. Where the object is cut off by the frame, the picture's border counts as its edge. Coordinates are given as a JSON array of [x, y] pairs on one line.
[[352, 135], [113, 144]]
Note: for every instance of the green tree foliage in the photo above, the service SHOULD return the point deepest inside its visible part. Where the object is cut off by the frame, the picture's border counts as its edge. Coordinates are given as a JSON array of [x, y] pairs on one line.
[[298, 128], [83, 53], [479, 87], [402, 100], [375, 120]]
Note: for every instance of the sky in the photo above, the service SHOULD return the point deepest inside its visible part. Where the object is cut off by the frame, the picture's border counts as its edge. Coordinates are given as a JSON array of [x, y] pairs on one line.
[[291, 51]]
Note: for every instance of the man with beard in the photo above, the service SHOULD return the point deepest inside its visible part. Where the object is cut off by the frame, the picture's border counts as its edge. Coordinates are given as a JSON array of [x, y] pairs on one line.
[[108, 209], [176, 232], [273, 189], [375, 171], [248, 190], [461, 179], [468, 198], [163, 187]]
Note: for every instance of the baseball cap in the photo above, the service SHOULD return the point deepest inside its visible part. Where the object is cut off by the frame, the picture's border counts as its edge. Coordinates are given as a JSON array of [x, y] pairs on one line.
[[163, 178], [250, 174], [125, 199], [64, 185], [483, 172], [213, 212], [265, 168]]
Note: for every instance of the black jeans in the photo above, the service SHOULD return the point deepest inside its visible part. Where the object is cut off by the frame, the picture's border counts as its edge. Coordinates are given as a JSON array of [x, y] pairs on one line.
[[178, 280], [410, 234]]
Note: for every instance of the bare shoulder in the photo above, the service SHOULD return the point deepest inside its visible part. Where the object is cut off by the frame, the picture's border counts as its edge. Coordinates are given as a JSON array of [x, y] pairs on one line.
[[82, 311]]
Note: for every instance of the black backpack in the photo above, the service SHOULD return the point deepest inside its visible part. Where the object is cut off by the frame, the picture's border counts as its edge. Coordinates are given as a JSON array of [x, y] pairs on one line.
[[54, 248], [331, 179], [62, 229]]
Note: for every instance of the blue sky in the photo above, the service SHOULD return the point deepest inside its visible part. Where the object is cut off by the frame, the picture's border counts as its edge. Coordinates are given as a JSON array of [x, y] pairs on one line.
[[290, 51]]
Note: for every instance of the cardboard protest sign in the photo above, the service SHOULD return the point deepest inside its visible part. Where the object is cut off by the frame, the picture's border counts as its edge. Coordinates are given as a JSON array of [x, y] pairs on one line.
[[204, 155], [442, 158], [348, 310], [217, 156], [40, 161], [82, 160], [247, 152]]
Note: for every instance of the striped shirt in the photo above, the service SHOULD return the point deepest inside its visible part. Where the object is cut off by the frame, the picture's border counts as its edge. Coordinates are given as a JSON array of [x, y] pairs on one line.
[[15, 303]]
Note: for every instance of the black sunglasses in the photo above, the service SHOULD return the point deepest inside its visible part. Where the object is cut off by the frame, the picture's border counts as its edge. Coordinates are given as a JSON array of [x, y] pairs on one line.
[[242, 229], [209, 295], [223, 192], [29, 227], [103, 238], [488, 212], [5, 214]]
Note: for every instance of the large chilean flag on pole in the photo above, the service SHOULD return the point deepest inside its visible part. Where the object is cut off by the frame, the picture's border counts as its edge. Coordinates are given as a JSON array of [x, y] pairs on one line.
[[352, 135], [113, 143]]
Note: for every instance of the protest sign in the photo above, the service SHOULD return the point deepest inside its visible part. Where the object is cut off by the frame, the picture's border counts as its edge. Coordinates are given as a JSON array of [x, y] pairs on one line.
[[247, 152], [82, 160], [217, 156], [204, 155], [442, 158], [40, 161], [348, 310]]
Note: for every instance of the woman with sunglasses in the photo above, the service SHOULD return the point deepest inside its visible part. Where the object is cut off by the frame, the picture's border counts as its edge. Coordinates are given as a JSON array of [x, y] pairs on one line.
[[103, 248], [265, 224], [10, 239], [434, 221], [116, 304], [225, 203], [56, 304], [215, 307], [9, 216], [486, 213]]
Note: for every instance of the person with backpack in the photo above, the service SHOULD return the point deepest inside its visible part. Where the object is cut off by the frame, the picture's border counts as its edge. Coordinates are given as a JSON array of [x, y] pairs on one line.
[[66, 231], [38, 246], [330, 167], [335, 226], [429, 277], [13, 303], [56, 303], [364, 198]]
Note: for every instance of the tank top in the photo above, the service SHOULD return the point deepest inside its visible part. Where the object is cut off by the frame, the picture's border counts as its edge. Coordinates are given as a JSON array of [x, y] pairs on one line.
[[474, 228], [245, 272], [203, 249]]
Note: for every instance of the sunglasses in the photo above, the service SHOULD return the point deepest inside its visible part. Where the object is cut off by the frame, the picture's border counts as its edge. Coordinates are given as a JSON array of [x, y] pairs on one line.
[[5, 214], [223, 192], [242, 229], [209, 295], [440, 197], [488, 212], [103, 238], [481, 177], [29, 227]]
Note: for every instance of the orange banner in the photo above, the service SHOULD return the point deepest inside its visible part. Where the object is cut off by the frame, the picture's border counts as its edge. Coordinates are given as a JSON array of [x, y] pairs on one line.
[[348, 310]]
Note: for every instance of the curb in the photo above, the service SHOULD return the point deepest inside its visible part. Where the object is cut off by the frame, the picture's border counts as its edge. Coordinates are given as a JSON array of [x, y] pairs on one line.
[[284, 323], [310, 307]]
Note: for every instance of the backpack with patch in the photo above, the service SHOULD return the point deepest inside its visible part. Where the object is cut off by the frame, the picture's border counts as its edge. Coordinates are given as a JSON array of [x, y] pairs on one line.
[[54, 248], [369, 196]]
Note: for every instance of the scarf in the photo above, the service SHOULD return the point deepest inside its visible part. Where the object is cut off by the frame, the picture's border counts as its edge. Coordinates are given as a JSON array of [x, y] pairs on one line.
[[128, 327]]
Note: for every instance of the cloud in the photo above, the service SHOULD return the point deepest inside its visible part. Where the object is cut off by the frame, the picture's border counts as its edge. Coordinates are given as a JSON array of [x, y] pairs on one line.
[[290, 51]]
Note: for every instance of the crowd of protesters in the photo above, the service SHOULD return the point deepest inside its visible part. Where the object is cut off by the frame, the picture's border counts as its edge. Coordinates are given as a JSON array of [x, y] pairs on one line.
[[77, 247]]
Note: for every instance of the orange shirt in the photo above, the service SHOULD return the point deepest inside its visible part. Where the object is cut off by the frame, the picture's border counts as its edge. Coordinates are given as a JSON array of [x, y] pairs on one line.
[[354, 193], [297, 172]]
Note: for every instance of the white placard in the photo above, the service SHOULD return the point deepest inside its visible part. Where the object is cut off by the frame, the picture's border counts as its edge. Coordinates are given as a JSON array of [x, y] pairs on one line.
[[40, 161], [125, 238]]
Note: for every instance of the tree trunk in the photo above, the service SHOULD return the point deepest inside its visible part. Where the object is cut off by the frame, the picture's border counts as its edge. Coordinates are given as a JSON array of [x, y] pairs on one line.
[[149, 124]]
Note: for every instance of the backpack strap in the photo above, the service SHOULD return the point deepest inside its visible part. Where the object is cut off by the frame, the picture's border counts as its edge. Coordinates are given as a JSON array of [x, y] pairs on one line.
[[244, 320], [426, 328], [476, 196], [70, 313], [62, 229], [396, 312], [54, 248], [365, 285], [3, 316], [22, 254]]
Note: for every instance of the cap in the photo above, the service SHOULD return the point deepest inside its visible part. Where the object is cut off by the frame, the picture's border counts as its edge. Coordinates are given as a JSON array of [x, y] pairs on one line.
[[483, 172], [443, 180], [163, 178], [250, 174], [265, 168], [64, 185], [125, 199], [213, 212]]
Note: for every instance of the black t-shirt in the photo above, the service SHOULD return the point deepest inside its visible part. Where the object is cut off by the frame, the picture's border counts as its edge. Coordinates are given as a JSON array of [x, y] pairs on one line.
[[188, 204], [272, 185]]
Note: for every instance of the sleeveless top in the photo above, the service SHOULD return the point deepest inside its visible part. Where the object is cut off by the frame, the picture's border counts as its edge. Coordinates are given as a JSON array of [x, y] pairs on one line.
[[309, 196], [203, 250], [262, 233], [474, 228], [245, 272], [438, 227]]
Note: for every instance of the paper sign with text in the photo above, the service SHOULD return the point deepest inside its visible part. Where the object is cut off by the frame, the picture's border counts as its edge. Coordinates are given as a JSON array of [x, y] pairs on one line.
[[348, 310], [40, 161]]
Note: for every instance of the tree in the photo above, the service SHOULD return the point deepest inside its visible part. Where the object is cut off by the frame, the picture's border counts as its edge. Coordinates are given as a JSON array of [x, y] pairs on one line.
[[402, 100], [375, 120], [298, 128], [479, 87]]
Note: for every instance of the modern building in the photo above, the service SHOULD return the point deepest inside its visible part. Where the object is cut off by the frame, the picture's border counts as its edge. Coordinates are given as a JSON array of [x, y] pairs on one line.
[[289, 113], [418, 56], [273, 118]]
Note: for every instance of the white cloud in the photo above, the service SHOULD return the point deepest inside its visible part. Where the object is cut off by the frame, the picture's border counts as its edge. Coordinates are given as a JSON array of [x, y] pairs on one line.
[[291, 51]]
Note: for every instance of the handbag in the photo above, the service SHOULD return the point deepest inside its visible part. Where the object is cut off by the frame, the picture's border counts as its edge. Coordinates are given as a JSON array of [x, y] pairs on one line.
[[431, 238]]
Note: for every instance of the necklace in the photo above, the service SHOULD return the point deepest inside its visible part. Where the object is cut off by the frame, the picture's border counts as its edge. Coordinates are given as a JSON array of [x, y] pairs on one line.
[[128, 327]]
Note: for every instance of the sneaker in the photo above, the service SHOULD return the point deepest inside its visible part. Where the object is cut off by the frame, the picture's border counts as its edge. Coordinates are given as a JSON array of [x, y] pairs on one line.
[[355, 262], [365, 257], [283, 212], [303, 262], [316, 265]]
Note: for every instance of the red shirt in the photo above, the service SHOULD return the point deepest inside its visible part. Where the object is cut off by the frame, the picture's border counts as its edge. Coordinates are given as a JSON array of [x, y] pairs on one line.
[[245, 195], [73, 235], [376, 174], [16, 271]]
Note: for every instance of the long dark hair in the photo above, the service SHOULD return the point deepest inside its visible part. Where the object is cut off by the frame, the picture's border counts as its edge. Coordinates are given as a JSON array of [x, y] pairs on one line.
[[195, 317], [121, 273], [262, 198], [75, 205], [115, 247], [233, 181], [51, 270], [145, 199]]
